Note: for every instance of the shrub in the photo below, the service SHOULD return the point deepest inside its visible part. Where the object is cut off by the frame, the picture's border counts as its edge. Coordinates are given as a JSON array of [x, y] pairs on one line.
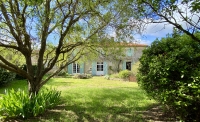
[[107, 77], [125, 74], [6, 76], [24, 67], [18, 103], [19, 77], [169, 72], [82, 76], [62, 74]]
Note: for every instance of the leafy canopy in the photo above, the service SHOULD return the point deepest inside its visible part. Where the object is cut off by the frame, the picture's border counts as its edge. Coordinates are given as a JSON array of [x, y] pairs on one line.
[[169, 72]]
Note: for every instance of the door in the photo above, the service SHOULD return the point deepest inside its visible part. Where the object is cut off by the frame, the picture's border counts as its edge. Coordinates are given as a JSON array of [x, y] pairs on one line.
[[100, 68], [128, 65]]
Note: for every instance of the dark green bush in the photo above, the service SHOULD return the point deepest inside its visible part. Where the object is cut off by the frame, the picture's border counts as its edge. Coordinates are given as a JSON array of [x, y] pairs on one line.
[[18, 103], [19, 77], [6, 76], [24, 67], [170, 73], [62, 73], [125, 74]]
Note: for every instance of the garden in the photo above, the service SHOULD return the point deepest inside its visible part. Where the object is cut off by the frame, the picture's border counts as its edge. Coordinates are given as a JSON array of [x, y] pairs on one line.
[[95, 99]]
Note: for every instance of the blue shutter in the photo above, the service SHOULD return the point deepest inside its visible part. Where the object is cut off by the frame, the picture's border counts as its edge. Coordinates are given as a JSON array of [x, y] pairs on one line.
[[129, 52], [82, 68], [69, 69], [105, 67], [124, 65], [94, 66]]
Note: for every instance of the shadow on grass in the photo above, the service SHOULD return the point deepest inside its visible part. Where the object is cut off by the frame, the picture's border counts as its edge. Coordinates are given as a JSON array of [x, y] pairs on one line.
[[78, 113], [104, 105]]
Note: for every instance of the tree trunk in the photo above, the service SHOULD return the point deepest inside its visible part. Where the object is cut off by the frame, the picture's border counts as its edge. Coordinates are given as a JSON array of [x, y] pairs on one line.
[[33, 88]]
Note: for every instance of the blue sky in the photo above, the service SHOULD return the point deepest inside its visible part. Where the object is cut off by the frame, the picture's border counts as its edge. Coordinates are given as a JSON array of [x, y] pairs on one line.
[[154, 31]]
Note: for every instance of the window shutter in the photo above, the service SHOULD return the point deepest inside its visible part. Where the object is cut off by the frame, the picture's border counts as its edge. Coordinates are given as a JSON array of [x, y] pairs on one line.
[[94, 65], [69, 69], [124, 65], [82, 68], [105, 66]]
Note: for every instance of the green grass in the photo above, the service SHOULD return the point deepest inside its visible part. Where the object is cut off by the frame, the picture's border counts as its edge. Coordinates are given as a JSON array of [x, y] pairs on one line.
[[94, 100]]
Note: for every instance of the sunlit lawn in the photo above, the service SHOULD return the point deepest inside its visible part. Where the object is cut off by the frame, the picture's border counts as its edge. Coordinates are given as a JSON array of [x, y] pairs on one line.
[[94, 100]]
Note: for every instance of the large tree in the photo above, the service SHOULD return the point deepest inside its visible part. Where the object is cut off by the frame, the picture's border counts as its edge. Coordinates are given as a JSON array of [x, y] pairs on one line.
[[182, 14], [72, 26]]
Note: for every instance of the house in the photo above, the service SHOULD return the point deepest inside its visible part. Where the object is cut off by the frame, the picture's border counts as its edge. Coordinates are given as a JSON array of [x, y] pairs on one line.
[[104, 66]]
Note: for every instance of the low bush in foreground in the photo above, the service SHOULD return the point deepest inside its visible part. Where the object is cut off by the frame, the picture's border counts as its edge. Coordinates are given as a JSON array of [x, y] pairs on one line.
[[19, 104]]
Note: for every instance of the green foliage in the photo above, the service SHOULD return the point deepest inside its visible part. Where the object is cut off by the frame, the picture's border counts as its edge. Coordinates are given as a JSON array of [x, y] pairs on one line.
[[62, 74], [125, 74], [20, 104], [116, 75], [169, 72], [82, 76], [107, 77], [24, 67], [134, 67], [6, 76], [19, 77], [94, 99]]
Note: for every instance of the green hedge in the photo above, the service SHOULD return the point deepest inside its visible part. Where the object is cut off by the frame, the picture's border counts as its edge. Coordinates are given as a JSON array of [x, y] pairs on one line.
[[170, 73]]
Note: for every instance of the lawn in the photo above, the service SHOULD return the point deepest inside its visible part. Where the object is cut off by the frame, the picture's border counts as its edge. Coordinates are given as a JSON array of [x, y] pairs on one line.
[[95, 100]]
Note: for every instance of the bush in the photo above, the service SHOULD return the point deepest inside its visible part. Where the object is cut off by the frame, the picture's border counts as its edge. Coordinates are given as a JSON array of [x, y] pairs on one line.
[[107, 77], [64, 74], [19, 77], [24, 67], [169, 72], [18, 103], [6, 76], [125, 74], [82, 76]]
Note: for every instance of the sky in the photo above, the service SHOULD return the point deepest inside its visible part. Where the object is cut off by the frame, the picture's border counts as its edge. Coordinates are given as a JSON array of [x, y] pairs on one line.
[[152, 32], [159, 30]]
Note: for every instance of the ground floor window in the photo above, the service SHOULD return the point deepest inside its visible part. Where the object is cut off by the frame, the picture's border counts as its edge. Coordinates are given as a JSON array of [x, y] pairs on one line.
[[76, 68], [99, 66], [128, 65]]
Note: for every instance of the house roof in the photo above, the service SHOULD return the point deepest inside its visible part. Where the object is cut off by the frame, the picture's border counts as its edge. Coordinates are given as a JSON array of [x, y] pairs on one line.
[[133, 45], [136, 45]]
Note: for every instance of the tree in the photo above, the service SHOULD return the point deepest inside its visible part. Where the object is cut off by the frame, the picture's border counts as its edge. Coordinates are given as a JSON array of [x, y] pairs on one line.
[[183, 15], [169, 72], [73, 26]]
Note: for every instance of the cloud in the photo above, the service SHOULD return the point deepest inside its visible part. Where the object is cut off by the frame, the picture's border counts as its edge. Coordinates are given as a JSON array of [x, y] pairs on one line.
[[159, 30]]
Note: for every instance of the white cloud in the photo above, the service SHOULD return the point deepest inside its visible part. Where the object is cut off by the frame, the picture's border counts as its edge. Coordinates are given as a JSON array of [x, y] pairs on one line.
[[159, 30]]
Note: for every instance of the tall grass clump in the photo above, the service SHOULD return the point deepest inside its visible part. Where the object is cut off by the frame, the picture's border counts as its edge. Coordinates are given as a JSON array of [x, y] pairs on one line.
[[20, 105]]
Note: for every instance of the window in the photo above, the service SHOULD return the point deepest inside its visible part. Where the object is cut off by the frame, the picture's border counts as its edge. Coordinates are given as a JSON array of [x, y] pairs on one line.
[[99, 66], [76, 68]]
